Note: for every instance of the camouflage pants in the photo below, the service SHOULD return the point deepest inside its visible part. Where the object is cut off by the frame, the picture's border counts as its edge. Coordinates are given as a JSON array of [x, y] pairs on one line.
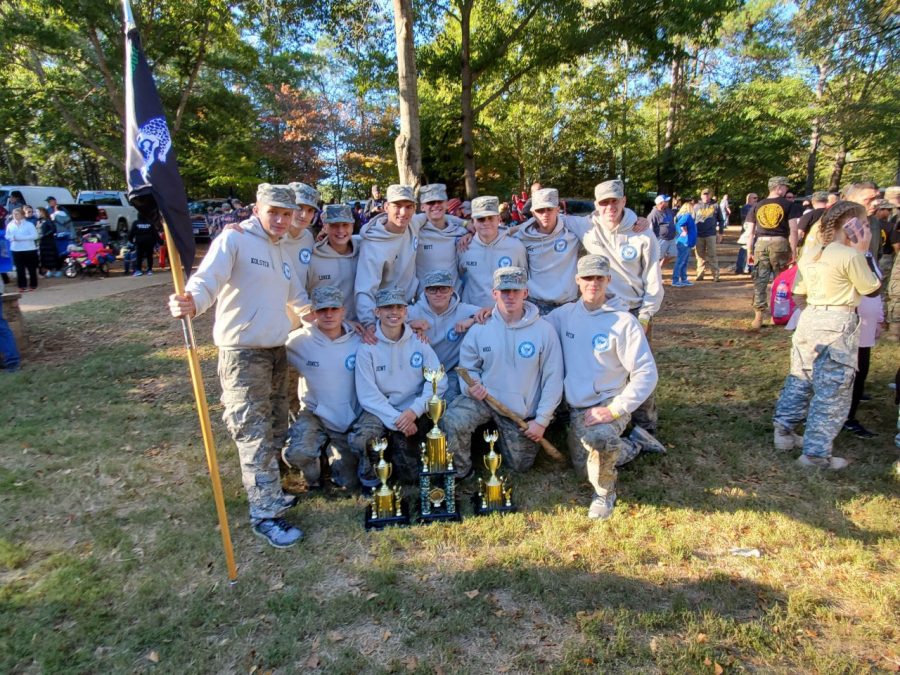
[[254, 393], [307, 439], [403, 452], [772, 255], [820, 384], [892, 315], [597, 450], [464, 415], [452, 386], [707, 257]]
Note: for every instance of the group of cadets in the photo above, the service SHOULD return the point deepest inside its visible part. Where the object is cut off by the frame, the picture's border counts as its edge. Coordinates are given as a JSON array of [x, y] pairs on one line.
[[559, 307]]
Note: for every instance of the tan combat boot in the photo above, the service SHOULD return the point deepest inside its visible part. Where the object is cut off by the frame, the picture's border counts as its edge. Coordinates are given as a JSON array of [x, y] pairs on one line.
[[757, 320]]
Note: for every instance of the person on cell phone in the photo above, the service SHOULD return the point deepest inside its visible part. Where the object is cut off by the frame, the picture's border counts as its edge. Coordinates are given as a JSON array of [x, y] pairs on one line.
[[833, 275]]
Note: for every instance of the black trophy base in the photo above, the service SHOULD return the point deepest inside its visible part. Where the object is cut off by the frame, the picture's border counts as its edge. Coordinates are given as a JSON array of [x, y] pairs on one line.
[[441, 515], [402, 520], [480, 510]]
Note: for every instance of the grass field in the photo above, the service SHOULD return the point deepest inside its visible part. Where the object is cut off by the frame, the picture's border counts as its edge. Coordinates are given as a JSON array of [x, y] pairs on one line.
[[110, 560]]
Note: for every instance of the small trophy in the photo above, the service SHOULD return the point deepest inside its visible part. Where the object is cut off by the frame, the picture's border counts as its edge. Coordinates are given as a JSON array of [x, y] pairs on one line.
[[495, 495], [437, 479], [387, 506]]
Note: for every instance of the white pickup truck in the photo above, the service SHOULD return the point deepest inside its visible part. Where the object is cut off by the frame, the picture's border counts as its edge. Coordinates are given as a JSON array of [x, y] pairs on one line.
[[120, 215]]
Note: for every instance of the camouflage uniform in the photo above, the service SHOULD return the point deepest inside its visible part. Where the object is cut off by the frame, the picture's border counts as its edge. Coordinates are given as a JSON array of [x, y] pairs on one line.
[[892, 316], [597, 450], [820, 384], [403, 452], [307, 439], [772, 256], [254, 393]]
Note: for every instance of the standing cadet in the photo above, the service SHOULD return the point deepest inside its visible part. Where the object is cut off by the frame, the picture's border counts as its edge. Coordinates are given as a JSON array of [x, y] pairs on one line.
[[325, 356], [448, 320], [634, 262], [489, 250], [391, 386], [609, 373], [710, 232], [438, 234], [514, 357], [251, 281], [334, 258]]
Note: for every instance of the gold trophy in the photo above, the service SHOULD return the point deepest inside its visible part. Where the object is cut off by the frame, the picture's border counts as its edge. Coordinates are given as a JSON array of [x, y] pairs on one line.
[[495, 495], [386, 506], [436, 502]]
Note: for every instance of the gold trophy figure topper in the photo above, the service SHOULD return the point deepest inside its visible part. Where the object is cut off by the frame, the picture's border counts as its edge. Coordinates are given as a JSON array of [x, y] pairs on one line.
[[435, 438]]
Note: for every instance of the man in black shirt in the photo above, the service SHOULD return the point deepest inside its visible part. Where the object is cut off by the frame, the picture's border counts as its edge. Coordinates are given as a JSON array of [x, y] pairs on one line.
[[819, 202], [773, 241]]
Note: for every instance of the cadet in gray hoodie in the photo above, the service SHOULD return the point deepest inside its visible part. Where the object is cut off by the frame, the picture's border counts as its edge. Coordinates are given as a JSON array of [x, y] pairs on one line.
[[448, 320], [391, 387], [334, 259], [299, 240], [515, 357], [489, 250], [609, 373], [438, 234], [251, 281], [387, 255], [325, 356]]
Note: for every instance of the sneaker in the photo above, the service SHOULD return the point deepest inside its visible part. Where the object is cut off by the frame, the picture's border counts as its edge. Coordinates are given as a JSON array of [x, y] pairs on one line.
[[647, 441], [57, 274], [677, 284], [858, 430], [833, 463], [149, 273], [602, 507], [687, 283], [137, 273], [278, 532], [785, 439]]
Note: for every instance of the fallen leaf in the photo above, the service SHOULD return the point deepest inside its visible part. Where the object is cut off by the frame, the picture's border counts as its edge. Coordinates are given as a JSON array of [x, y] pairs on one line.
[[371, 596], [702, 637], [588, 661], [411, 663], [386, 635], [718, 669], [707, 661], [334, 636], [312, 661], [472, 594], [153, 657], [419, 613], [654, 645]]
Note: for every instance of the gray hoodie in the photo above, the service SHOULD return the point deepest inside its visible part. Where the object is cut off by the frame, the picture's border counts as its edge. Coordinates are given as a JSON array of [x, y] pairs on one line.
[[520, 364], [442, 336], [251, 281], [437, 248], [299, 250], [327, 385], [633, 262], [553, 258], [389, 377], [606, 356], [330, 268], [477, 265], [385, 259]]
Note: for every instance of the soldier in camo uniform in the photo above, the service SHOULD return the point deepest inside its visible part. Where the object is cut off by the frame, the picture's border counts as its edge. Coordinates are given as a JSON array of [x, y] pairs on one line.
[[824, 346], [250, 279]]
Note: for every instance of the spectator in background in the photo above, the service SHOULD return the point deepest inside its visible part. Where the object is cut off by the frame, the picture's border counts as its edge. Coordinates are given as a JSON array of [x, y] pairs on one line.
[[662, 220], [145, 237], [819, 202], [725, 208], [359, 218], [375, 205], [15, 200], [22, 238], [51, 205], [49, 256], [740, 265], [526, 207], [6, 263], [30, 215], [686, 240], [710, 231], [9, 353]]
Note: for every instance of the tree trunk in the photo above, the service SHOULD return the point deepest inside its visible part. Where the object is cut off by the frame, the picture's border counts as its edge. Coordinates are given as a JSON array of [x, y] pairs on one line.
[[669, 146], [468, 112], [409, 143], [840, 159], [816, 133]]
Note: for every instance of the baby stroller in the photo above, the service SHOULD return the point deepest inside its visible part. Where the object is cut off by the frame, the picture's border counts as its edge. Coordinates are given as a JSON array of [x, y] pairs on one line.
[[92, 256]]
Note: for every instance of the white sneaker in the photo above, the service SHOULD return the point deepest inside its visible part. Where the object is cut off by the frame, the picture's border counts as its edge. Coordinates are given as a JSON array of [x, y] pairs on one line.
[[602, 507], [785, 439], [137, 273]]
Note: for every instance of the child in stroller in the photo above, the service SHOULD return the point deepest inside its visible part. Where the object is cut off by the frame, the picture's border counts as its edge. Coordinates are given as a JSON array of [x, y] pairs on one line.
[[92, 255]]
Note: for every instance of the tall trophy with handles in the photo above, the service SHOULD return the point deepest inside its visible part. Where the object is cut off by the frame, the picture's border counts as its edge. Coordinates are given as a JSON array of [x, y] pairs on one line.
[[494, 494], [437, 477], [387, 506]]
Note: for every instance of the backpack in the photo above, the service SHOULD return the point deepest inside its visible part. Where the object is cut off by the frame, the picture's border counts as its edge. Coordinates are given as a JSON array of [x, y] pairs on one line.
[[782, 300]]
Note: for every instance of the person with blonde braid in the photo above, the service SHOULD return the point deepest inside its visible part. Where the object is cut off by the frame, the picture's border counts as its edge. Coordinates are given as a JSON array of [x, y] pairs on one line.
[[832, 275]]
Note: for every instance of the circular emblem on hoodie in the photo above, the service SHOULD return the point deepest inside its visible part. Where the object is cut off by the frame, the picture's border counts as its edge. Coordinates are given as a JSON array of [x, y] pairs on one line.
[[416, 360], [628, 252], [526, 350], [452, 335], [305, 256], [505, 261], [415, 243], [600, 342], [350, 362], [560, 245], [287, 271]]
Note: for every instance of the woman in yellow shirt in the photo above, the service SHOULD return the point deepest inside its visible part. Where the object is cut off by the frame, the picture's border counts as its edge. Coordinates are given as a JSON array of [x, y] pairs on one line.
[[834, 271]]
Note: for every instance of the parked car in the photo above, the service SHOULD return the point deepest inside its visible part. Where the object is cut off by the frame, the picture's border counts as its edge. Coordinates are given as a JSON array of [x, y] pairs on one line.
[[198, 219], [36, 195], [120, 215], [85, 217]]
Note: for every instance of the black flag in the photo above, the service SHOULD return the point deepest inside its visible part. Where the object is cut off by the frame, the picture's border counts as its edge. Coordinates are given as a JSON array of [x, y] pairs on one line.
[[154, 185]]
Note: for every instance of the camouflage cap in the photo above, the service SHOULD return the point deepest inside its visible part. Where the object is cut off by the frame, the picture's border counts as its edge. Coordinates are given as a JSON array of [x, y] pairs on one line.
[[436, 192], [306, 195], [510, 278], [324, 297], [337, 213], [775, 181], [390, 296], [545, 198], [820, 196], [485, 206], [280, 196], [884, 204], [437, 278], [610, 189], [593, 266], [401, 193]]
